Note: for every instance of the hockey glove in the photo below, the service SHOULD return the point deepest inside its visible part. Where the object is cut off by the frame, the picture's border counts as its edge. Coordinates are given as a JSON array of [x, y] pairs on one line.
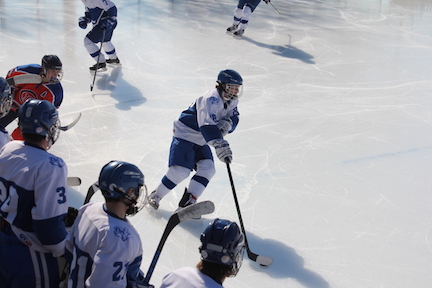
[[225, 125], [82, 22], [108, 23], [70, 217], [223, 150], [266, 1]]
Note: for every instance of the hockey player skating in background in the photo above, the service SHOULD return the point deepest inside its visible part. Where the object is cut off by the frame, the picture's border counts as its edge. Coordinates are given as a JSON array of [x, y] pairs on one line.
[[204, 123], [242, 14], [222, 248], [103, 247], [33, 201], [33, 81], [5, 105], [103, 16]]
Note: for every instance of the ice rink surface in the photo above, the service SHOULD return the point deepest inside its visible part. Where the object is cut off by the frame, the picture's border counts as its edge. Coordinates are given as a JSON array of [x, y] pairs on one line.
[[332, 156]]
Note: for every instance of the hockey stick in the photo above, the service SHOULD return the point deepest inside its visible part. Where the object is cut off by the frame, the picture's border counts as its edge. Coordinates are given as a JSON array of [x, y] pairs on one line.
[[73, 181], [97, 63], [192, 211], [91, 191], [262, 260], [274, 7], [70, 125]]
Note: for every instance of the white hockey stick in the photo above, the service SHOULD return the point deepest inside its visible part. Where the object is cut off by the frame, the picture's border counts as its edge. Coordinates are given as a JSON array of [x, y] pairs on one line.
[[72, 124], [73, 181], [189, 212]]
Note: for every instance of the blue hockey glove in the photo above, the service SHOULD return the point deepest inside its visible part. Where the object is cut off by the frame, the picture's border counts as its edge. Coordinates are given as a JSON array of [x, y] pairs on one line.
[[82, 22], [266, 1], [108, 23]]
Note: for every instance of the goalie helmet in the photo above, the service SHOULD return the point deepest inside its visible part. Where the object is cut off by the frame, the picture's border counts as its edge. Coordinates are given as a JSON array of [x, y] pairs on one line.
[[231, 84], [124, 181], [5, 97], [52, 62], [223, 243], [39, 117]]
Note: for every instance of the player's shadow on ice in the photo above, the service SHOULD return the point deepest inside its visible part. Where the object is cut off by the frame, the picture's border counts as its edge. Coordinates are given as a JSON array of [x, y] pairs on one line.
[[288, 51], [286, 262], [126, 94]]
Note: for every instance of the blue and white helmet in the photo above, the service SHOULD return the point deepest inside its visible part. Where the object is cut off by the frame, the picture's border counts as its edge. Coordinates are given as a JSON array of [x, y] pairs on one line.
[[40, 117], [231, 84], [124, 181], [223, 243], [5, 97]]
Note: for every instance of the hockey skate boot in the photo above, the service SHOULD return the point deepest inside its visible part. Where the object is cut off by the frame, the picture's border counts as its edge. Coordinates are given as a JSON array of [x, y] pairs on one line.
[[187, 199], [113, 61], [238, 33], [232, 28], [153, 200], [99, 67]]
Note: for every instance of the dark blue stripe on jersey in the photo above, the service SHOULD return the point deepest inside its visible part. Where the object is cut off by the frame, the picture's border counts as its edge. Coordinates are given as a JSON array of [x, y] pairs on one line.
[[82, 256], [200, 179], [189, 117], [50, 231], [133, 269], [30, 68], [210, 132], [168, 183]]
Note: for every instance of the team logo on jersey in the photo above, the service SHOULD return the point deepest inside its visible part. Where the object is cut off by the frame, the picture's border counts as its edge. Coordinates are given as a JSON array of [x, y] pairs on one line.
[[214, 100], [56, 161], [26, 94], [122, 233]]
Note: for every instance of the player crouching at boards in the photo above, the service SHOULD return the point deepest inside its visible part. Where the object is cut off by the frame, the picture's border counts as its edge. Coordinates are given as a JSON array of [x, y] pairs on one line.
[[103, 248], [204, 123]]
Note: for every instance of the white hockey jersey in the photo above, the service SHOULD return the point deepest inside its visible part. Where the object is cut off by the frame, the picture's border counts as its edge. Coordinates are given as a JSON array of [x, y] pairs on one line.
[[4, 137], [188, 277], [198, 124], [106, 250], [33, 196]]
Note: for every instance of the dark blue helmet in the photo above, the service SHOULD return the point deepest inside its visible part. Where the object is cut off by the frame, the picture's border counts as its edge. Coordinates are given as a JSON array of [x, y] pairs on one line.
[[223, 243], [231, 84], [39, 117], [121, 180], [5, 97]]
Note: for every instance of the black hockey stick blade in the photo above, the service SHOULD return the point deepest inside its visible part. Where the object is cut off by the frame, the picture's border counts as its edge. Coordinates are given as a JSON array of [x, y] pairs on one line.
[[189, 212], [73, 181], [67, 127], [262, 260], [91, 191]]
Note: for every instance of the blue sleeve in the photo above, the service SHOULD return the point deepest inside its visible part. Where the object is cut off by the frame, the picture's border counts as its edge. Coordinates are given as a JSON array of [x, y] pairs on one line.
[[50, 231], [133, 269], [210, 132], [235, 120]]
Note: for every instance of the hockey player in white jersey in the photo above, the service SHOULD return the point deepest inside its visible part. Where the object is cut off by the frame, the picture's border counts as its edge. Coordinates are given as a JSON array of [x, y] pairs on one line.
[[103, 16], [33, 201], [5, 105], [204, 123], [103, 247], [222, 248]]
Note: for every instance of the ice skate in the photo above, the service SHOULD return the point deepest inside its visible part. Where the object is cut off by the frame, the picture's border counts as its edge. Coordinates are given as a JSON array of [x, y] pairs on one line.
[[187, 199], [153, 200], [98, 67], [238, 33], [113, 61], [231, 29]]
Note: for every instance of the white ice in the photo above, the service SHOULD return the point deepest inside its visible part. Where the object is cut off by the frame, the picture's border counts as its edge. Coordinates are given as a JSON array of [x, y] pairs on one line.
[[333, 153]]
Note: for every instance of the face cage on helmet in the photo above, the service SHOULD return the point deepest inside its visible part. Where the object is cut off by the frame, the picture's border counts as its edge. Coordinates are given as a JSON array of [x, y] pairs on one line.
[[56, 79], [6, 103], [53, 132], [232, 91], [137, 198], [238, 260]]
